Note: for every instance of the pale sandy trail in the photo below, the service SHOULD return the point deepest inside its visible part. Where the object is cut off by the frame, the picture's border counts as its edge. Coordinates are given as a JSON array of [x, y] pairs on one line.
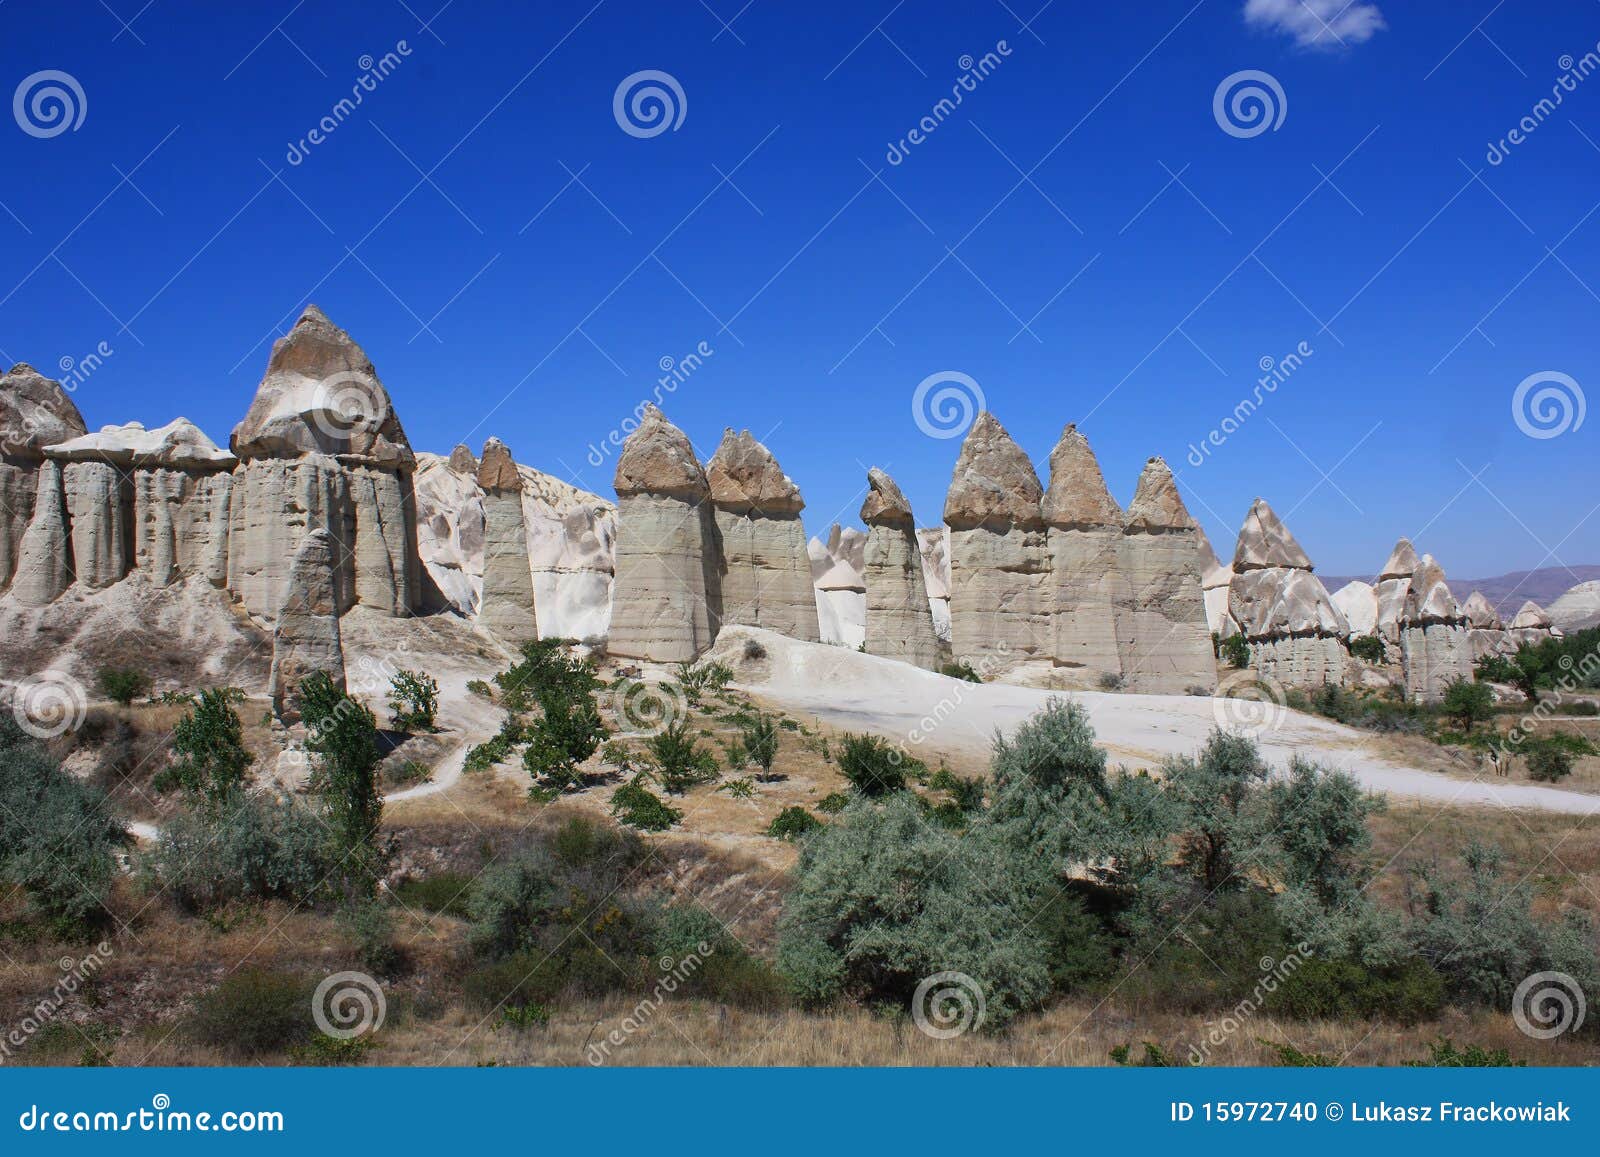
[[916, 707]]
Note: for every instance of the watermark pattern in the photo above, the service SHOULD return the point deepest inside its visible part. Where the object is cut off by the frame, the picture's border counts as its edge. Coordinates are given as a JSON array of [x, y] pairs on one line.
[[648, 103], [947, 1005], [1274, 372], [973, 73], [988, 666], [49, 704], [343, 403], [944, 404], [74, 974], [1273, 974], [1573, 73], [49, 103], [1248, 103], [646, 708], [674, 974], [156, 1119], [1251, 704], [1548, 404], [674, 372], [373, 73], [1548, 1004], [348, 1004]]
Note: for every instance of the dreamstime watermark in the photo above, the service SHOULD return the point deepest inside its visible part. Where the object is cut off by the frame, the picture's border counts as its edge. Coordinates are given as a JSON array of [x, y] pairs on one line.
[[646, 708], [988, 666], [1248, 103], [49, 103], [1547, 1004], [1273, 974], [1548, 404], [373, 73], [675, 973], [1249, 703], [74, 975], [973, 73], [948, 1004], [347, 1005], [160, 1117], [1573, 73], [1274, 372], [674, 372], [1575, 676], [375, 675], [49, 703], [648, 103], [944, 404]]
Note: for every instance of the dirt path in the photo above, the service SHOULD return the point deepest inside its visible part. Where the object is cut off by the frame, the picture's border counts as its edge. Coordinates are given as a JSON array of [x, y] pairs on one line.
[[934, 712]]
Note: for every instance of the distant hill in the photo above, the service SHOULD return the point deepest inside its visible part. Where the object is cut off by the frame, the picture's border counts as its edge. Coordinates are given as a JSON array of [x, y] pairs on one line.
[[1507, 591]]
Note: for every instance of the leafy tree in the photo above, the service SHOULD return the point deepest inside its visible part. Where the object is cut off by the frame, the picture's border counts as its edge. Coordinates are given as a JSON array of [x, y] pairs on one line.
[[1235, 651], [637, 806], [1548, 762], [57, 837], [568, 733], [413, 700], [680, 761], [1468, 702], [345, 735], [874, 766], [1367, 648], [760, 739], [548, 671], [792, 823], [208, 745], [1218, 789], [121, 684]]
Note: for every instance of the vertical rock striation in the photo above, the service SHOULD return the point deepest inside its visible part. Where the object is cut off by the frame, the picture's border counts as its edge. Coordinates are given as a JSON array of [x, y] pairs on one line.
[[1162, 633], [35, 412], [507, 606], [305, 637], [838, 576], [1087, 587], [44, 556], [665, 602], [899, 619], [765, 572], [999, 558], [1435, 646], [1296, 633]]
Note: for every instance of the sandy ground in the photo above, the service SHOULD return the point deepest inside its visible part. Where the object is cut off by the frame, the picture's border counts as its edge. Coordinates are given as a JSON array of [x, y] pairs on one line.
[[935, 714]]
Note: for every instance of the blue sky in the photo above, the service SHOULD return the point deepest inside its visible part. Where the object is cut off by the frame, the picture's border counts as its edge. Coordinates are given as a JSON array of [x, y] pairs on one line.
[[517, 264]]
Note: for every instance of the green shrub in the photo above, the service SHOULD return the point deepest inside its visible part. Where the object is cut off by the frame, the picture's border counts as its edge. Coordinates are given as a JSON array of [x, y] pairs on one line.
[[962, 670], [637, 806], [255, 848], [1153, 1056], [833, 803], [792, 823], [344, 735], [1235, 651], [209, 756], [680, 762], [1110, 681], [438, 894], [1547, 762], [548, 671], [1407, 992], [759, 737], [254, 1013], [874, 767], [407, 773], [1367, 648], [58, 839], [121, 684], [485, 755], [742, 788], [1468, 702], [371, 926], [481, 689], [413, 700], [1292, 1058], [1444, 1054], [568, 732]]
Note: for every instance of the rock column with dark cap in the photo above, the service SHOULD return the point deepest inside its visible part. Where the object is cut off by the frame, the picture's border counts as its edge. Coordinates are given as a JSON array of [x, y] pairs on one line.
[[1087, 586], [507, 606], [899, 621]]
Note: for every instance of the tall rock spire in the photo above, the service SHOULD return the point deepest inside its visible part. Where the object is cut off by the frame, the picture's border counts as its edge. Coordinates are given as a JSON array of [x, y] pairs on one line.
[[1088, 590], [899, 618]]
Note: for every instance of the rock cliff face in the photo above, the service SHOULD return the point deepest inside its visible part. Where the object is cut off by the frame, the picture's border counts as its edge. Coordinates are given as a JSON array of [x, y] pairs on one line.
[[1578, 609], [1358, 603], [35, 412], [765, 572], [1088, 590], [1296, 633], [899, 622], [1485, 630], [1393, 586], [305, 637], [321, 447], [1000, 604], [666, 602], [934, 543], [44, 556], [838, 576], [506, 608], [1435, 647], [1215, 583], [1163, 636], [1531, 625]]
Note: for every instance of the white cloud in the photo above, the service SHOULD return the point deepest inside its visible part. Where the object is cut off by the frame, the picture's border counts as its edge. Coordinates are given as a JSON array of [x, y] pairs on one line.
[[1326, 24]]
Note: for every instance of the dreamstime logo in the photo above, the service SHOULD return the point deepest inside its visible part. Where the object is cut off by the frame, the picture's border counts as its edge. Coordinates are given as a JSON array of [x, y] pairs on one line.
[[1257, 103], [948, 1004], [1548, 404], [656, 104], [1274, 372], [345, 402], [48, 103], [646, 708], [1548, 1004], [48, 704], [1250, 704], [74, 975], [373, 73], [674, 973], [944, 404], [674, 372], [973, 73], [348, 1004], [1273, 973]]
